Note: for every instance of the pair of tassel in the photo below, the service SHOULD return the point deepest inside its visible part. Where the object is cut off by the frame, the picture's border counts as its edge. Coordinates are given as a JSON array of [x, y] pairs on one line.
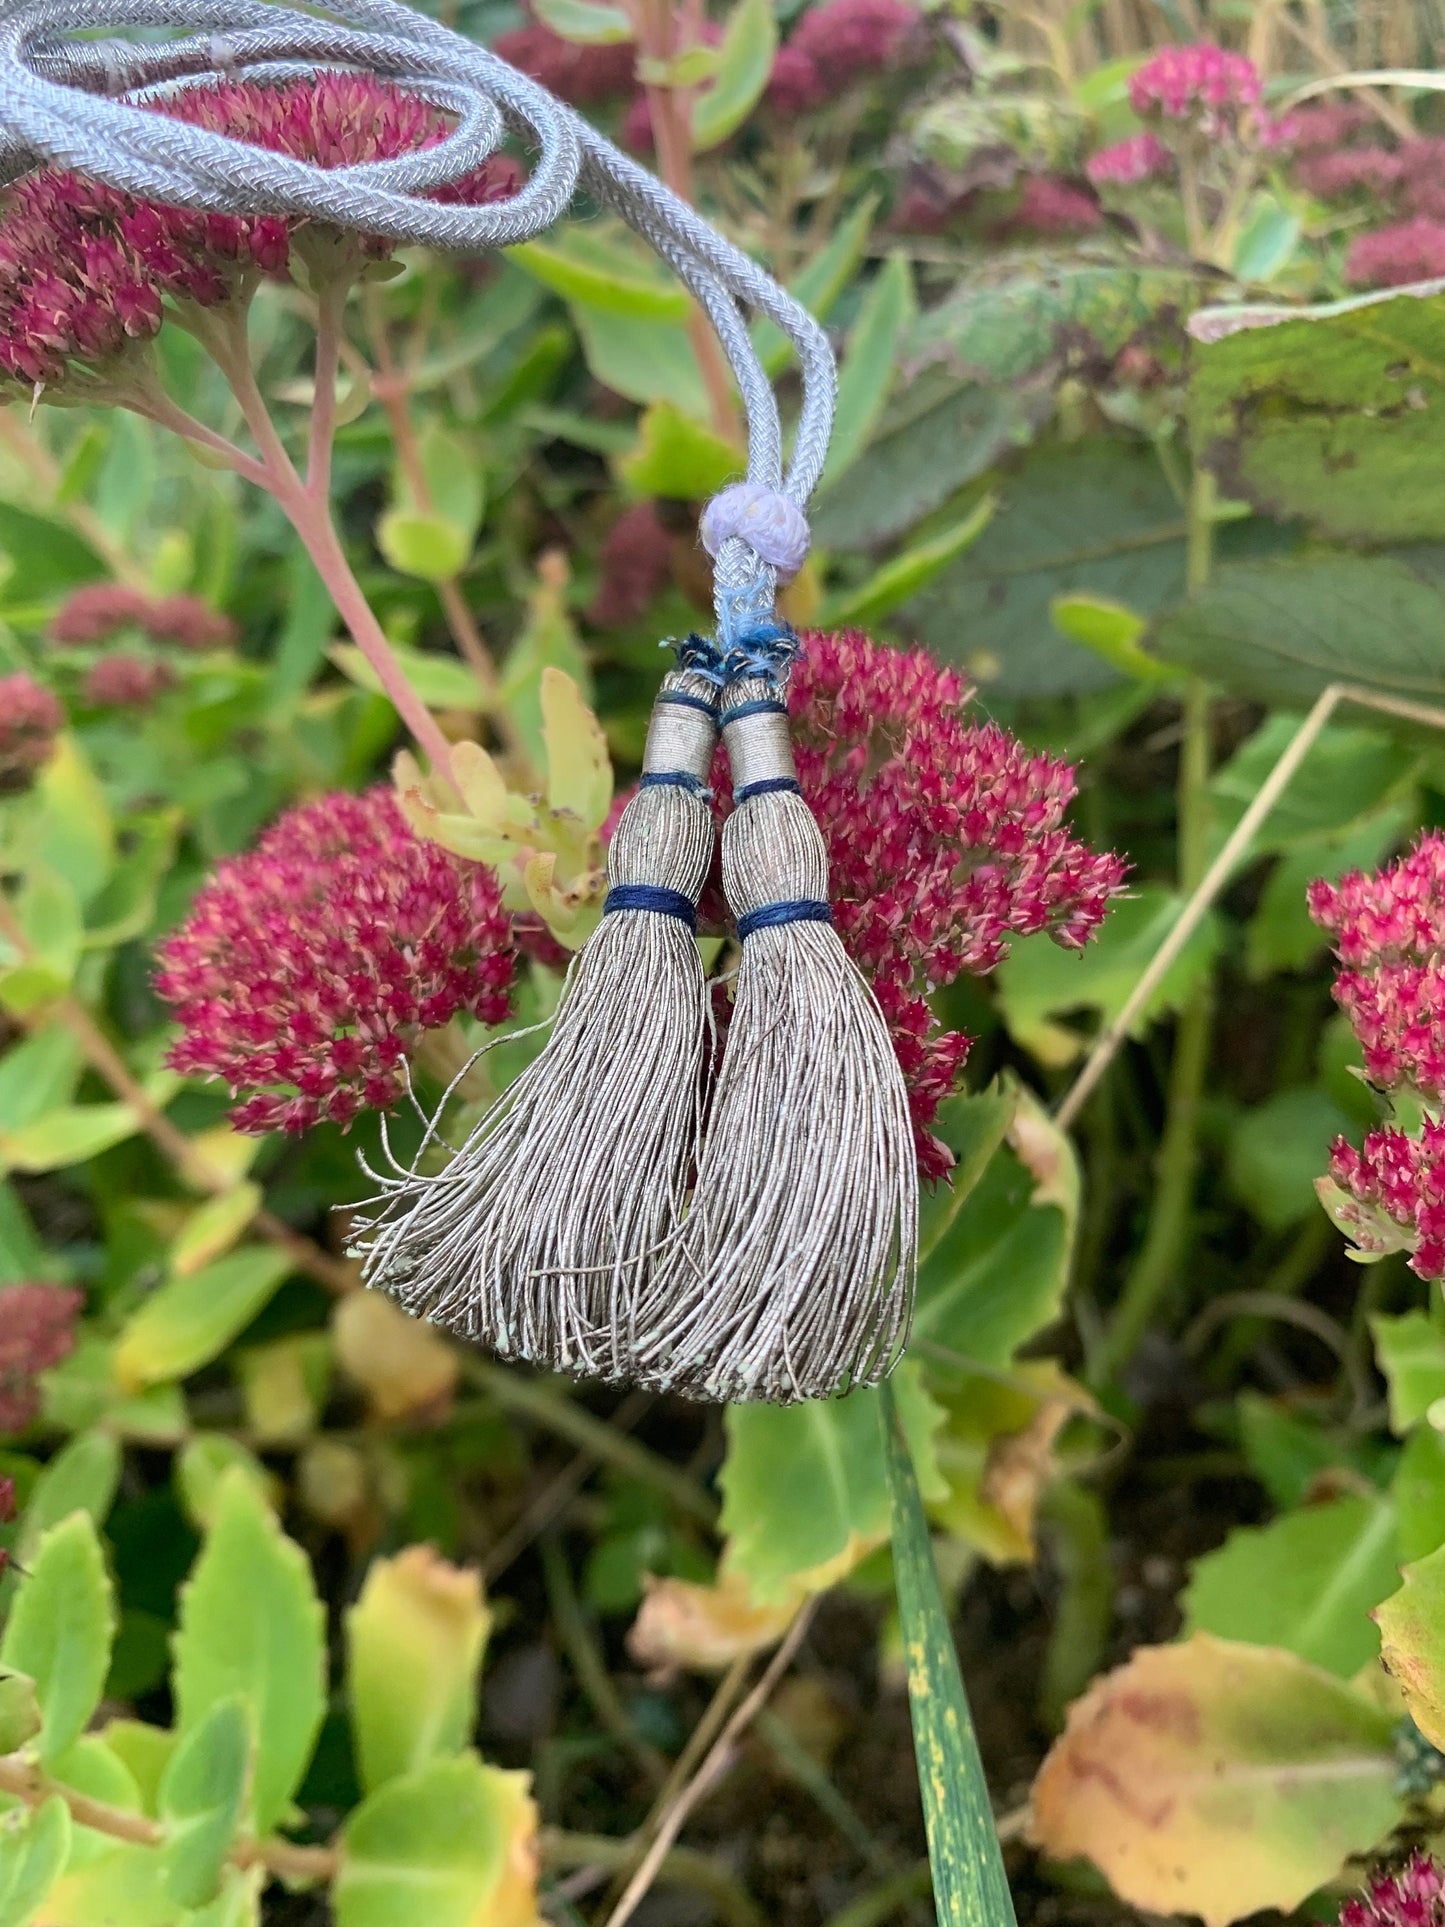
[[607, 1217]]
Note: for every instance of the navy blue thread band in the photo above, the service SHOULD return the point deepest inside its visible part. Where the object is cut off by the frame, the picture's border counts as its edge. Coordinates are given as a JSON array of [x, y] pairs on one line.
[[675, 779], [648, 896], [796, 910], [760, 706], [765, 786], [679, 699]]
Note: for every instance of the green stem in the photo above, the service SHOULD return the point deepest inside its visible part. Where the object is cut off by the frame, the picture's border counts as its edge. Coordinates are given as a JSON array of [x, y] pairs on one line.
[[557, 1413], [970, 1888], [588, 1663], [883, 1902], [1085, 1608], [1166, 1236]]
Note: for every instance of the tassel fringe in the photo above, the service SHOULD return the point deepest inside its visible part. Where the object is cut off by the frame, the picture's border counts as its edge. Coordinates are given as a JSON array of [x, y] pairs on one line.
[[536, 1237], [793, 1274]]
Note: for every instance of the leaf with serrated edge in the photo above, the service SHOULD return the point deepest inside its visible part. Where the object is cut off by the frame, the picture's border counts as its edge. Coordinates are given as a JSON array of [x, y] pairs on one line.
[[579, 769], [1217, 1779], [1412, 1642], [251, 1624], [61, 1629]]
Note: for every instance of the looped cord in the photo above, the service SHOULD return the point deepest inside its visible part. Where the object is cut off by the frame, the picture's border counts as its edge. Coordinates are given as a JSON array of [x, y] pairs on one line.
[[58, 102], [772, 526]]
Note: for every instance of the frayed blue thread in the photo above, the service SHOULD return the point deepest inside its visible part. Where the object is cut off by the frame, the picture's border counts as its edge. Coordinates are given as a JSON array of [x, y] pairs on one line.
[[648, 896], [795, 910], [753, 641], [766, 786], [675, 779], [699, 656]]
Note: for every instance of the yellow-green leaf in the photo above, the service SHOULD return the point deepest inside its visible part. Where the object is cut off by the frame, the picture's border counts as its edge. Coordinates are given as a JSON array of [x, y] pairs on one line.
[[677, 457], [452, 1845], [213, 1228], [423, 543], [415, 1640], [191, 1320], [60, 1630], [251, 1626], [33, 1852], [587, 22], [579, 769], [69, 1135], [1412, 1642], [750, 41], [202, 1796], [441, 682]]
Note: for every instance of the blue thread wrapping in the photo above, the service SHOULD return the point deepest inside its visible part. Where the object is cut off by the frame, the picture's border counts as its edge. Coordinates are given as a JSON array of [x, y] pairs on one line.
[[760, 706], [679, 699], [766, 786], [700, 656], [675, 779], [648, 896], [795, 910]]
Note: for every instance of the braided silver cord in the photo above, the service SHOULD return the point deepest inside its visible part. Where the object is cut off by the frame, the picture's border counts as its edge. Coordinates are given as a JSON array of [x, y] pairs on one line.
[[79, 103]]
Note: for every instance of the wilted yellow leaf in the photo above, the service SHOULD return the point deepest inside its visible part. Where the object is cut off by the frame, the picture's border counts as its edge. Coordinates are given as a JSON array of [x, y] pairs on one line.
[[1216, 1779], [702, 1629], [403, 1365]]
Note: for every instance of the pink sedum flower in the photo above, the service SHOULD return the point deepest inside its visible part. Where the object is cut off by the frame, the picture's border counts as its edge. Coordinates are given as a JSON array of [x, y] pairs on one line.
[[636, 567], [1197, 82], [97, 612], [37, 1331], [1344, 172], [1394, 1195], [1394, 256], [582, 76], [1051, 206], [795, 84], [1412, 1897], [847, 39], [1322, 124], [122, 681], [309, 966], [30, 720], [84, 269], [946, 840], [1389, 932], [1143, 157]]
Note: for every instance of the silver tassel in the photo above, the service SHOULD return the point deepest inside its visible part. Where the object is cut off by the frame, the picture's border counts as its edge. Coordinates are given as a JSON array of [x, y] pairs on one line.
[[793, 1275], [536, 1237]]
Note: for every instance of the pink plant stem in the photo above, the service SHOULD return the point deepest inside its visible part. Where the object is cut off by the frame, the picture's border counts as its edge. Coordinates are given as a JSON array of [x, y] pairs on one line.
[[322, 438], [310, 516]]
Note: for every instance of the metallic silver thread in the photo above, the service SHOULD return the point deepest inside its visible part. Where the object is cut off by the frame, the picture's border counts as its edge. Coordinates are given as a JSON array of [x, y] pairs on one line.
[[793, 1273], [535, 1237], [554, 1232]]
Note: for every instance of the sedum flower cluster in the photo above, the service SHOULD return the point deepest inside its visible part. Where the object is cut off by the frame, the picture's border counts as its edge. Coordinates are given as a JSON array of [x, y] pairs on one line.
[[37, 1331], [309, 967], [1389, 934], [86, 270]]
